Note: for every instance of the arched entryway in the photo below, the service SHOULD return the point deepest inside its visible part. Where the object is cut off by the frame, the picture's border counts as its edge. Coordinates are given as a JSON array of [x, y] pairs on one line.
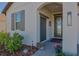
[[49, 13], [51, 22], [50, 25]]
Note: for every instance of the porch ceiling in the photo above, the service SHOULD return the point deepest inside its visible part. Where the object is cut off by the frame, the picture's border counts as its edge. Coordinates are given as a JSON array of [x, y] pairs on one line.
[[54, 7]]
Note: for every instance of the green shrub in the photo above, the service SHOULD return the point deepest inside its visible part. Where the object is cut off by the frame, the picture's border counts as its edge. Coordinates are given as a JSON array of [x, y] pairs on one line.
[[9, 43], [3, 38], [59, 51], [14, 43]]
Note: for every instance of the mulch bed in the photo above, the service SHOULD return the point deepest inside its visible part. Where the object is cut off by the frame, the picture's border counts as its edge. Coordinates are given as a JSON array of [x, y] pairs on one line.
[[31, 51]]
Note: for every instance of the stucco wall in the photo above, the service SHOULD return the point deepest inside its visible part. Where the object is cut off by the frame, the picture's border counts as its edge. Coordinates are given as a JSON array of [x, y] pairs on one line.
[[78, 23], [31, 20], [70, 32], [3, 27]]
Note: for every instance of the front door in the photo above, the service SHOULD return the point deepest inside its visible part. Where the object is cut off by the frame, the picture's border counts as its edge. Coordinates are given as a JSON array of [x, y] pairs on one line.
[[42, 28], [58, 26]]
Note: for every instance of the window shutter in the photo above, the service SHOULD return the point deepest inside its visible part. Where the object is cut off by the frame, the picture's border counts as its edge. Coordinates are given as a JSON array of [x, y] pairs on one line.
[[12, 21], [22, 20]]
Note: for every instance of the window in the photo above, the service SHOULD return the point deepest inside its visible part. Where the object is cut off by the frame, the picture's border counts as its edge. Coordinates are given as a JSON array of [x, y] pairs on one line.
[[58, 26], [18, 21]]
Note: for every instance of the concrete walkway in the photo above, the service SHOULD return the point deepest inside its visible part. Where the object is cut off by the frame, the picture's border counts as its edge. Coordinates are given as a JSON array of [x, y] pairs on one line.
[[48, 50]]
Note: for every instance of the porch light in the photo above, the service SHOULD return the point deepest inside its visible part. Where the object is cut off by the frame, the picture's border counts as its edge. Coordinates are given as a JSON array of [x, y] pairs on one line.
[[69, 19]]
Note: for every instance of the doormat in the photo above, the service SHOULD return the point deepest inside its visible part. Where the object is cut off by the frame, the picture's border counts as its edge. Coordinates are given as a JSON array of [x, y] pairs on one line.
[[57, 40]]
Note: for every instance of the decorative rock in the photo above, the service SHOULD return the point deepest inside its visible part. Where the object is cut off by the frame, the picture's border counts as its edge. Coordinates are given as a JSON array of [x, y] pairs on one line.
[[25, 51]]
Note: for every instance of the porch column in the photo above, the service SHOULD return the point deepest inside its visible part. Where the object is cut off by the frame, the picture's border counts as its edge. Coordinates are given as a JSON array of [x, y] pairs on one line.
[[70, 28]]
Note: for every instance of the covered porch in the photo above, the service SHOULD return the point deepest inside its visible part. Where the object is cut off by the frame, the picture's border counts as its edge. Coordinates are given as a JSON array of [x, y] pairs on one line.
[[51, 22], [56, 23]]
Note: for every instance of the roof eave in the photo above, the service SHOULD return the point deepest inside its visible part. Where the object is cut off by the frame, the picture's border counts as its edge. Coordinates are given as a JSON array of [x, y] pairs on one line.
[[7, 7]]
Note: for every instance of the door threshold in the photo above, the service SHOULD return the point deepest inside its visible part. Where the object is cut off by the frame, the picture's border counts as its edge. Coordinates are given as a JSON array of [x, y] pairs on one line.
[[43, 41], [58, 37]]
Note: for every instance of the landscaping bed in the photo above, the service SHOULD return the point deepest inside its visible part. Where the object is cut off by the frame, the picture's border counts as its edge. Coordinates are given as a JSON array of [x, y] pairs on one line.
[[31, 51], [11, 45]]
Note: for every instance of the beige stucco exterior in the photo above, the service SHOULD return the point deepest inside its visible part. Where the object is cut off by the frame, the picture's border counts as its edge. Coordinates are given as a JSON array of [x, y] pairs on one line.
[[3, 27], [30, 33], [32, 24], [70, 36]]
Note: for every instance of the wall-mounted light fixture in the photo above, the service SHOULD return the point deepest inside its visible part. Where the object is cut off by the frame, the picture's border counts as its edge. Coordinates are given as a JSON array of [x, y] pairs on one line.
[[50, 23], [69, 19]]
